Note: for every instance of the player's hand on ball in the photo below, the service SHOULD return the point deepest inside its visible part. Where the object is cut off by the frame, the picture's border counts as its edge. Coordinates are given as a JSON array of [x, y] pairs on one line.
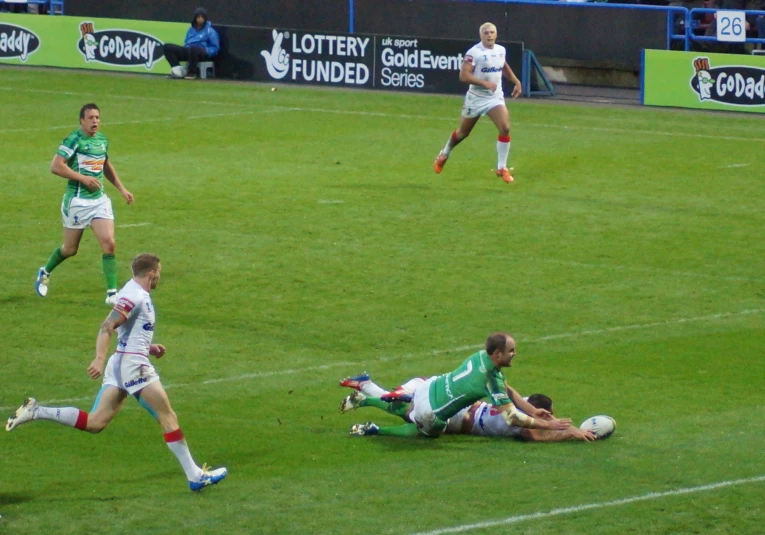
[[96, 368], [157, 350]]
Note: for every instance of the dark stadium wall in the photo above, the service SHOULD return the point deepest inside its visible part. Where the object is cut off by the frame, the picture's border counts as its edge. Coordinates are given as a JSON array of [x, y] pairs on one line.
[[587, 36]]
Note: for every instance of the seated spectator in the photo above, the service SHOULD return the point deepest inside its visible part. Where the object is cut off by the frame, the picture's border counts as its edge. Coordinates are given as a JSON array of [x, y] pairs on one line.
[[202, 43]]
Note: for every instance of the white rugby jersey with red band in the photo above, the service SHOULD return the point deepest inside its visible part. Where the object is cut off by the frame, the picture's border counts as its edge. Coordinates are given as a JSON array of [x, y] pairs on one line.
[[488, 64], [135, 335]]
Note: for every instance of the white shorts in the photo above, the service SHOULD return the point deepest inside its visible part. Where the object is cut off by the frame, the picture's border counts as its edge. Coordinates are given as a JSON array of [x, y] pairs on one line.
[[81, 212], [129, 372], [422, 413], [476, 106]]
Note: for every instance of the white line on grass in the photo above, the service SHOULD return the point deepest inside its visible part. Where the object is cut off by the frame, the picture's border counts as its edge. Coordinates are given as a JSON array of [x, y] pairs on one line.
[[353, 365], [126, 225], [588, 507], [142, 121], [734, 166], [628, 131]]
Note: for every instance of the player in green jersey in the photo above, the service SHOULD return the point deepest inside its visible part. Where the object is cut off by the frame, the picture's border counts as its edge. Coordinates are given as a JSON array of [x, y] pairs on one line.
[[479, 376], [83, 160]]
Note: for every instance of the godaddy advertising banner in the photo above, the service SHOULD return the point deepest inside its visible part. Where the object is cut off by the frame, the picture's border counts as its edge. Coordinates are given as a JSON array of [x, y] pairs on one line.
[[87, 43], [704, 81], [379, 62]]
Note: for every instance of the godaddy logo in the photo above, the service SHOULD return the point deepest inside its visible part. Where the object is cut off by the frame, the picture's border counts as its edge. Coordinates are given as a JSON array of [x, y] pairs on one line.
[[277, 60], [17, 42], [730, 84], [119, 47]]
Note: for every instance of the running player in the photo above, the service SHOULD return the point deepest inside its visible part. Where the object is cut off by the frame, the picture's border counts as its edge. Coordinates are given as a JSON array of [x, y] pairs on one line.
[[83, 160], [479, 376], [128, 372], [483, 68]]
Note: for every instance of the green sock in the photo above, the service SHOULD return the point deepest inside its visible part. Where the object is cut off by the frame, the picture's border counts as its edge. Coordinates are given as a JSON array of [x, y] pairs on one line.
[[406, 430], [55, 259], [397, 408], [110, 271]]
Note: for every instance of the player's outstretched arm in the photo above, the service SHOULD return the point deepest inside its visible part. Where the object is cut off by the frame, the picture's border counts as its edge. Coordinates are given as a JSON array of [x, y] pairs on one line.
[[110, 324], [572, 433], [58, 167], [111, 175], [515, 417], [525, 406]]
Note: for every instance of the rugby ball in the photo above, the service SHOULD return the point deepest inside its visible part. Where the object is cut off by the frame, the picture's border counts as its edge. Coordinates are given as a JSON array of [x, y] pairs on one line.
[[603, 426]]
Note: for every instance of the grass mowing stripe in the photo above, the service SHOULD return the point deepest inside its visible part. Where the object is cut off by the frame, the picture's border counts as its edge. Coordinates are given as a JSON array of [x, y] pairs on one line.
[[588, 507], [627, 131], [348, 364]]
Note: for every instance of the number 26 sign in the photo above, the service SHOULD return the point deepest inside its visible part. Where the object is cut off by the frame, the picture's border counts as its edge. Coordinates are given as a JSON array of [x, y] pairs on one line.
[[731, 26]]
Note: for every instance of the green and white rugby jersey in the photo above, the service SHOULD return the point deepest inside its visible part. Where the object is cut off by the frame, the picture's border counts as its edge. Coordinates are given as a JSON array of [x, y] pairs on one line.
[[85, 155], [476, 378]]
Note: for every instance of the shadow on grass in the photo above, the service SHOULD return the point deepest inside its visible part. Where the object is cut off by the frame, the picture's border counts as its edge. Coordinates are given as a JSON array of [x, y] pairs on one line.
[[7, 498]]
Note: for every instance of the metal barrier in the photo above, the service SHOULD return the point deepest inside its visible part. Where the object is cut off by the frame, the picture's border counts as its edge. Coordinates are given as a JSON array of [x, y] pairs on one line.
[[689, 25], [673, 13], [55, 7]]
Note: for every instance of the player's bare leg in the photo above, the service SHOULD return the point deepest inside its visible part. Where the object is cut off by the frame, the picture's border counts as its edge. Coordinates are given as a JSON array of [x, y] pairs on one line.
[[154, 394], [109, 405], [501, 119], [463, 131], [69, 248], [104, 232]]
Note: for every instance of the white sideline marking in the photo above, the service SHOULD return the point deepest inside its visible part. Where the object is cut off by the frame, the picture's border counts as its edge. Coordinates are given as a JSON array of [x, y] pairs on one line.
[[330, 201], [364, 114], [734, 165], [141, 121], [323, 367], [599, 505], [126, 225]]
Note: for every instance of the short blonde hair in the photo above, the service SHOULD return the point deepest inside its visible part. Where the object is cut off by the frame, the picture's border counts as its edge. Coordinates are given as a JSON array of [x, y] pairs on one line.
[[486, 25]]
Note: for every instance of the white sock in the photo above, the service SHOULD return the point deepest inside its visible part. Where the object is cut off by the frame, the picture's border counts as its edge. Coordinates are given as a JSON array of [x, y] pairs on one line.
[[180, 449], [66, 415], [451, 143], [372, 390], [503, 151]]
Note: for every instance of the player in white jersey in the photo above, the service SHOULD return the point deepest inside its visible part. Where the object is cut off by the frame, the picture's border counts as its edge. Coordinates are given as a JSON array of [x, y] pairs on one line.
[[483, 68], [480, 419], [128, 372]]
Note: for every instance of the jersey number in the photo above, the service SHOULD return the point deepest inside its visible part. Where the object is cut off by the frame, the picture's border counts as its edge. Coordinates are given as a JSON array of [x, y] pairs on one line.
[[466, 372]]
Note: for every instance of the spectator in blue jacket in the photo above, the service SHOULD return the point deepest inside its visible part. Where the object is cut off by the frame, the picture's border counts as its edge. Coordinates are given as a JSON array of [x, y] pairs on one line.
[[202, 43]]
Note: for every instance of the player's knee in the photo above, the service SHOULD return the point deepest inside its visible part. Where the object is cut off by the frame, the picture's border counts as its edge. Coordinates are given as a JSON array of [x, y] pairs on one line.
[[504, 130], [108, 246], [96, 427], [68, 251]]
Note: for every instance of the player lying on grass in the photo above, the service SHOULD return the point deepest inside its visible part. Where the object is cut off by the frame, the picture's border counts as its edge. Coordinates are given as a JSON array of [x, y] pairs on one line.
[[478, 377], [480, 419]]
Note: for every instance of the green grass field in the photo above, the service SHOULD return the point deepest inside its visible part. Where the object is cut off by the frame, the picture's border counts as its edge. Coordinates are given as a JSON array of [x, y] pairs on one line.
[[304, 237]]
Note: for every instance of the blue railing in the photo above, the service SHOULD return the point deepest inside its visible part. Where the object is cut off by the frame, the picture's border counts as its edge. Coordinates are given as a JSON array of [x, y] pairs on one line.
[[689, 25], [55, 7]]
